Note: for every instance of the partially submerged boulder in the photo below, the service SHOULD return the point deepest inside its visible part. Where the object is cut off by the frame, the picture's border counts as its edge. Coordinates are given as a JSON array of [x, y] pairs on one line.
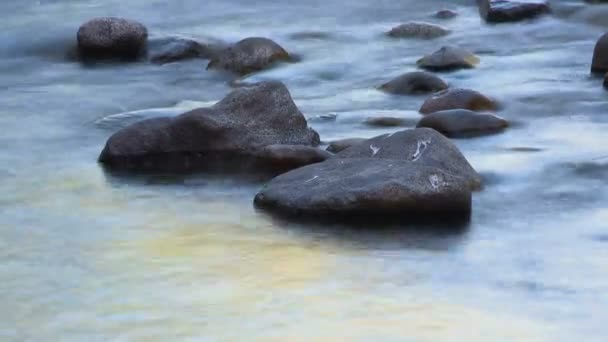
[[458, 98], [420, 30], [249, 55], [341, 145], [448, 58], [288, 157], [463, 123], [418, 82], [501, 11], [110, 37], [386, 121], [231, 134], [175, 49], [599, 63], [445, 14]]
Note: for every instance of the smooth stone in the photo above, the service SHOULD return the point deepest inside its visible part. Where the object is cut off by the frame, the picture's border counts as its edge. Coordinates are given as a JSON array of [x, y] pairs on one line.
[[448, 58], [501, 11], [229, 134], [417, 82], [461, 122], [178, 49], [419, 146], [343, 144], [365, 189], [386, 121], [445, 14], [110, 37], [249, 55], [288, 157], [599, 63], [419, 30], [458, 99]]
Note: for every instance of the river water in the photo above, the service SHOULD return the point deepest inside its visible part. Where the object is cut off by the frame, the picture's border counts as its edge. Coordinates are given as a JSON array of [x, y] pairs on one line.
[[91, 256]]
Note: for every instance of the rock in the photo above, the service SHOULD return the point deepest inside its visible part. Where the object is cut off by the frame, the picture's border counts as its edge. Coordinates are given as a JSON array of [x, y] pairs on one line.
[[367, 188], [287, 157], [418, 82], [461, 122], [420, 30], [111, 37], [458, 99], [340, 145], [500, 11], [249, 55], [599, 64], [445, 14], [386, 121], [419, 146], [448, 58], [178, 49], [229, 134]]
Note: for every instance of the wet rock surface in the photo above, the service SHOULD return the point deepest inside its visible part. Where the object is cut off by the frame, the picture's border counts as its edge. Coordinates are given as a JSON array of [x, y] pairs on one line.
[[463, 123], [112, 38]]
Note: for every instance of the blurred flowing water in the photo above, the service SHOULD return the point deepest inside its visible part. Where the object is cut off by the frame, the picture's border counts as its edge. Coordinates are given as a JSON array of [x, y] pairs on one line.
[[92, 256]]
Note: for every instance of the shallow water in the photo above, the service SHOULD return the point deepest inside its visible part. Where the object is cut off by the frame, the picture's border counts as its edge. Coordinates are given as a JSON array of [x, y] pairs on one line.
[[88, 255]]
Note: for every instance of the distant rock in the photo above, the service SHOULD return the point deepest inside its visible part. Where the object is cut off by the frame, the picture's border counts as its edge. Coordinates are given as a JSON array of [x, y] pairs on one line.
[[448, 58], [341, 145], [418, 82], [599, 63], [232, 134], [445, 14], [461, 123], [176, 49], [110, 37], [420, 30], [249, 55], [458, 99], [501, 11]]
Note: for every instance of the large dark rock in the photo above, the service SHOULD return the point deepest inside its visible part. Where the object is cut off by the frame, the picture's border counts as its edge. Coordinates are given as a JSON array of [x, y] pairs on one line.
[[463, 123], [343, 144], [599, 64], [177, 49], [112, 38], [367, 188], [418, 82], [448, 58], [249, 55], [500, 11], [458, 99], [420, 30], [418, 146], [231, 133]]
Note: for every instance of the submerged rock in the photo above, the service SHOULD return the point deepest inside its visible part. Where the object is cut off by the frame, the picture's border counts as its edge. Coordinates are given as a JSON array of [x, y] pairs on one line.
[[230, 134], [458, 99], [179, 49], [418, 82], [419, 30], [445, 14], [110, 37], [249, 55], [341, 145], [599, 63], [500, 11], [460, 122], [448, 58], [423, 146], [386, 121]]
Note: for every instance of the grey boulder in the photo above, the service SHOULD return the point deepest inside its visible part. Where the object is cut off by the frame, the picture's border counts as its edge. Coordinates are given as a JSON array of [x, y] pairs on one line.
[[417, 82], [463, 123], [420, 30], [448, 58], [458, 98], [110, 37], [249, 55]]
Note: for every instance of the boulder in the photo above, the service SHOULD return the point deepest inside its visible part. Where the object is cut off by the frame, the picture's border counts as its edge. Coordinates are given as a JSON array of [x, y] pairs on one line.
[[445, 14], [458, 99], [419, 30], [461, 122], [418, 146], [249, 55], [501, 11], [599, 63], [229, 134], [367, 188], [341, 145], [110, 37], [178, 49], [418, 82], [448, 58]]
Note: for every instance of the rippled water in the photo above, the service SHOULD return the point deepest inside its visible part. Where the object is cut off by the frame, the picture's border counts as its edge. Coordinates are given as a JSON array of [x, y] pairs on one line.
[[90, 256]]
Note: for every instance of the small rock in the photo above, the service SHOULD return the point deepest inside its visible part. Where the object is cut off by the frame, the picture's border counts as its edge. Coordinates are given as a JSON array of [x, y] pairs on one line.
[[341, 145], [179, 49], [445, 14], [500, 11], [386, 121], [418, 82], [448, 58], [461, 122], [249, 55], [458, 99], [110, 37], [418, 30], [599, 64]]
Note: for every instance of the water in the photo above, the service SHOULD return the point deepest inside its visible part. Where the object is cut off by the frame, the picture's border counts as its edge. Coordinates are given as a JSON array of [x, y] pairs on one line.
[[92, 256]]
